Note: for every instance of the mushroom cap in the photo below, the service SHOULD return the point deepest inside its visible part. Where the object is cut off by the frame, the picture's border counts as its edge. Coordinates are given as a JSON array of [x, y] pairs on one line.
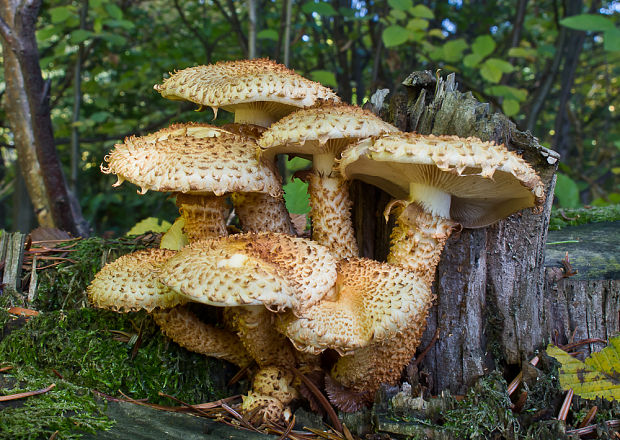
[[321, 129], [486, 181], [272, 269], [193, 158], [230, 83], [130, 283], [374, 302]]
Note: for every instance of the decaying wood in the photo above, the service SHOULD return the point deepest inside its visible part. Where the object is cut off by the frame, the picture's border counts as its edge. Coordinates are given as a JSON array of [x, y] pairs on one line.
[[11, 254], [490, 281]]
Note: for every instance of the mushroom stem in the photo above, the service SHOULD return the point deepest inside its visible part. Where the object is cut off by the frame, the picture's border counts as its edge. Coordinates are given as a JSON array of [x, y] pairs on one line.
[[417, 240], [259, 212], [330, 212], [203, 215], [256, 329], [187, 330]]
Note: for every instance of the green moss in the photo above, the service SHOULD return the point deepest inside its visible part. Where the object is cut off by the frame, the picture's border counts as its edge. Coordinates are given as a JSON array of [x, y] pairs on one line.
[[561, 218], [64, 286], [79, 345], [485, 412], [67, 409]]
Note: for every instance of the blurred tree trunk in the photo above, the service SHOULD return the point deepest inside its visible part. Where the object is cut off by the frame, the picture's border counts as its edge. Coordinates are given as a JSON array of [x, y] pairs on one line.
[[28, 109]]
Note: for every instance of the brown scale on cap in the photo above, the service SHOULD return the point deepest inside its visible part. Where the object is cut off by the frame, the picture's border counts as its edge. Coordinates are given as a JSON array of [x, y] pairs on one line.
[[258, 91], [322, 132], [130, 283], [201, 162], [374, 301]]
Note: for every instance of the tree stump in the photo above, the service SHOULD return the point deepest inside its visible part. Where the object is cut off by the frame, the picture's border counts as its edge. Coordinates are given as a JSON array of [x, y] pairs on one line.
[[489, 283]]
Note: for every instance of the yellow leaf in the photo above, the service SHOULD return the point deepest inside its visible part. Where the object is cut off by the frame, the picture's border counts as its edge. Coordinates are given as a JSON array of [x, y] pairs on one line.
[[150, 224], [174, 239], [598, 376]]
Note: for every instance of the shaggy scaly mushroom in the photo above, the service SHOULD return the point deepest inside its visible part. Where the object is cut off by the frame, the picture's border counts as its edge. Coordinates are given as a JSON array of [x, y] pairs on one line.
[[438, 176], [321, 133], [258, 91], [248, 274], [130, 283], [200, 163]]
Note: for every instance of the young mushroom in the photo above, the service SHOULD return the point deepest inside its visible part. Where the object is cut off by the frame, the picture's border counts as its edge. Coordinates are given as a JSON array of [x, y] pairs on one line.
[[258, 91], [321, 133], [200, 163], [130, 283], [444, 181]]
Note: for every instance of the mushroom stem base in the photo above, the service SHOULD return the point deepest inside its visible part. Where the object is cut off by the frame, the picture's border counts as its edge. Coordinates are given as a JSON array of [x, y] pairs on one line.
[[417, 240], [331, 214], [203, 215]]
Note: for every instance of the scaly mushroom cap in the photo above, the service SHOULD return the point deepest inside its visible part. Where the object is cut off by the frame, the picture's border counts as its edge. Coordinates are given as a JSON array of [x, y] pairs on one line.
[[325, 128], [486, 181], [193, 158], [275, 382], [259, 84], [276, 270], [374, 302], [130, 283]]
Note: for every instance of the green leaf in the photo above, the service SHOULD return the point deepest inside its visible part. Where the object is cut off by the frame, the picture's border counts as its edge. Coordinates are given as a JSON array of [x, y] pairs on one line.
[[510, 107], [150, 224], [114, 11], [483, 45], [79, 35], [296, 197], [268, 34], [588, 22], [174, 238], [114, 39], [416, 24], [394, 35], [507, 92], [471, 60], [401, 5], [60, 14], [453, 50], [325, 77], [566, 191], [422, 11], [611, 40], [493, 68], [398, 14], [321, 8], [597, 377], [522, 52]]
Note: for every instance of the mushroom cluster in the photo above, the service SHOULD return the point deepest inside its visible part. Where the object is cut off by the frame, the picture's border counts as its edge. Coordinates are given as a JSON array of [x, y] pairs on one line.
[[283, 299]]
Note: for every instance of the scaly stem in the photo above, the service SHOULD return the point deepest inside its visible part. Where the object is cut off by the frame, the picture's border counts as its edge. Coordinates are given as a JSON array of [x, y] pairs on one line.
[[330, 212], [259, 212], [203, 215], [418, 239]]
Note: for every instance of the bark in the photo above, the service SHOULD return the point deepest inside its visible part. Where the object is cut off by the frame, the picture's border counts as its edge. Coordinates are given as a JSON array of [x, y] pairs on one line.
[[17, 27], [489, 281], [251, 29], [18, 114]]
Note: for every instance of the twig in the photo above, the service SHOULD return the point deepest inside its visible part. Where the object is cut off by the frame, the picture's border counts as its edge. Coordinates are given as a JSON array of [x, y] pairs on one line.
[[240, 418], [5, 369], [589, 417], [517, 380], [27, 394], [198, 410], [566, 405], [288, 429], [322, 399], [240, 373], [572, 345]]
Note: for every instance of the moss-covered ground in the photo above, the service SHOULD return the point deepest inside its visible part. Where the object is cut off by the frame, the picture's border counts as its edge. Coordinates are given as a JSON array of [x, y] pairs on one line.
[[561, 218], [86, 351]]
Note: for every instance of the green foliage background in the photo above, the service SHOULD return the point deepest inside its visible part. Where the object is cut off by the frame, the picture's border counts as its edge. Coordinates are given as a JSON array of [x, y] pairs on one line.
[[355, 47]]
